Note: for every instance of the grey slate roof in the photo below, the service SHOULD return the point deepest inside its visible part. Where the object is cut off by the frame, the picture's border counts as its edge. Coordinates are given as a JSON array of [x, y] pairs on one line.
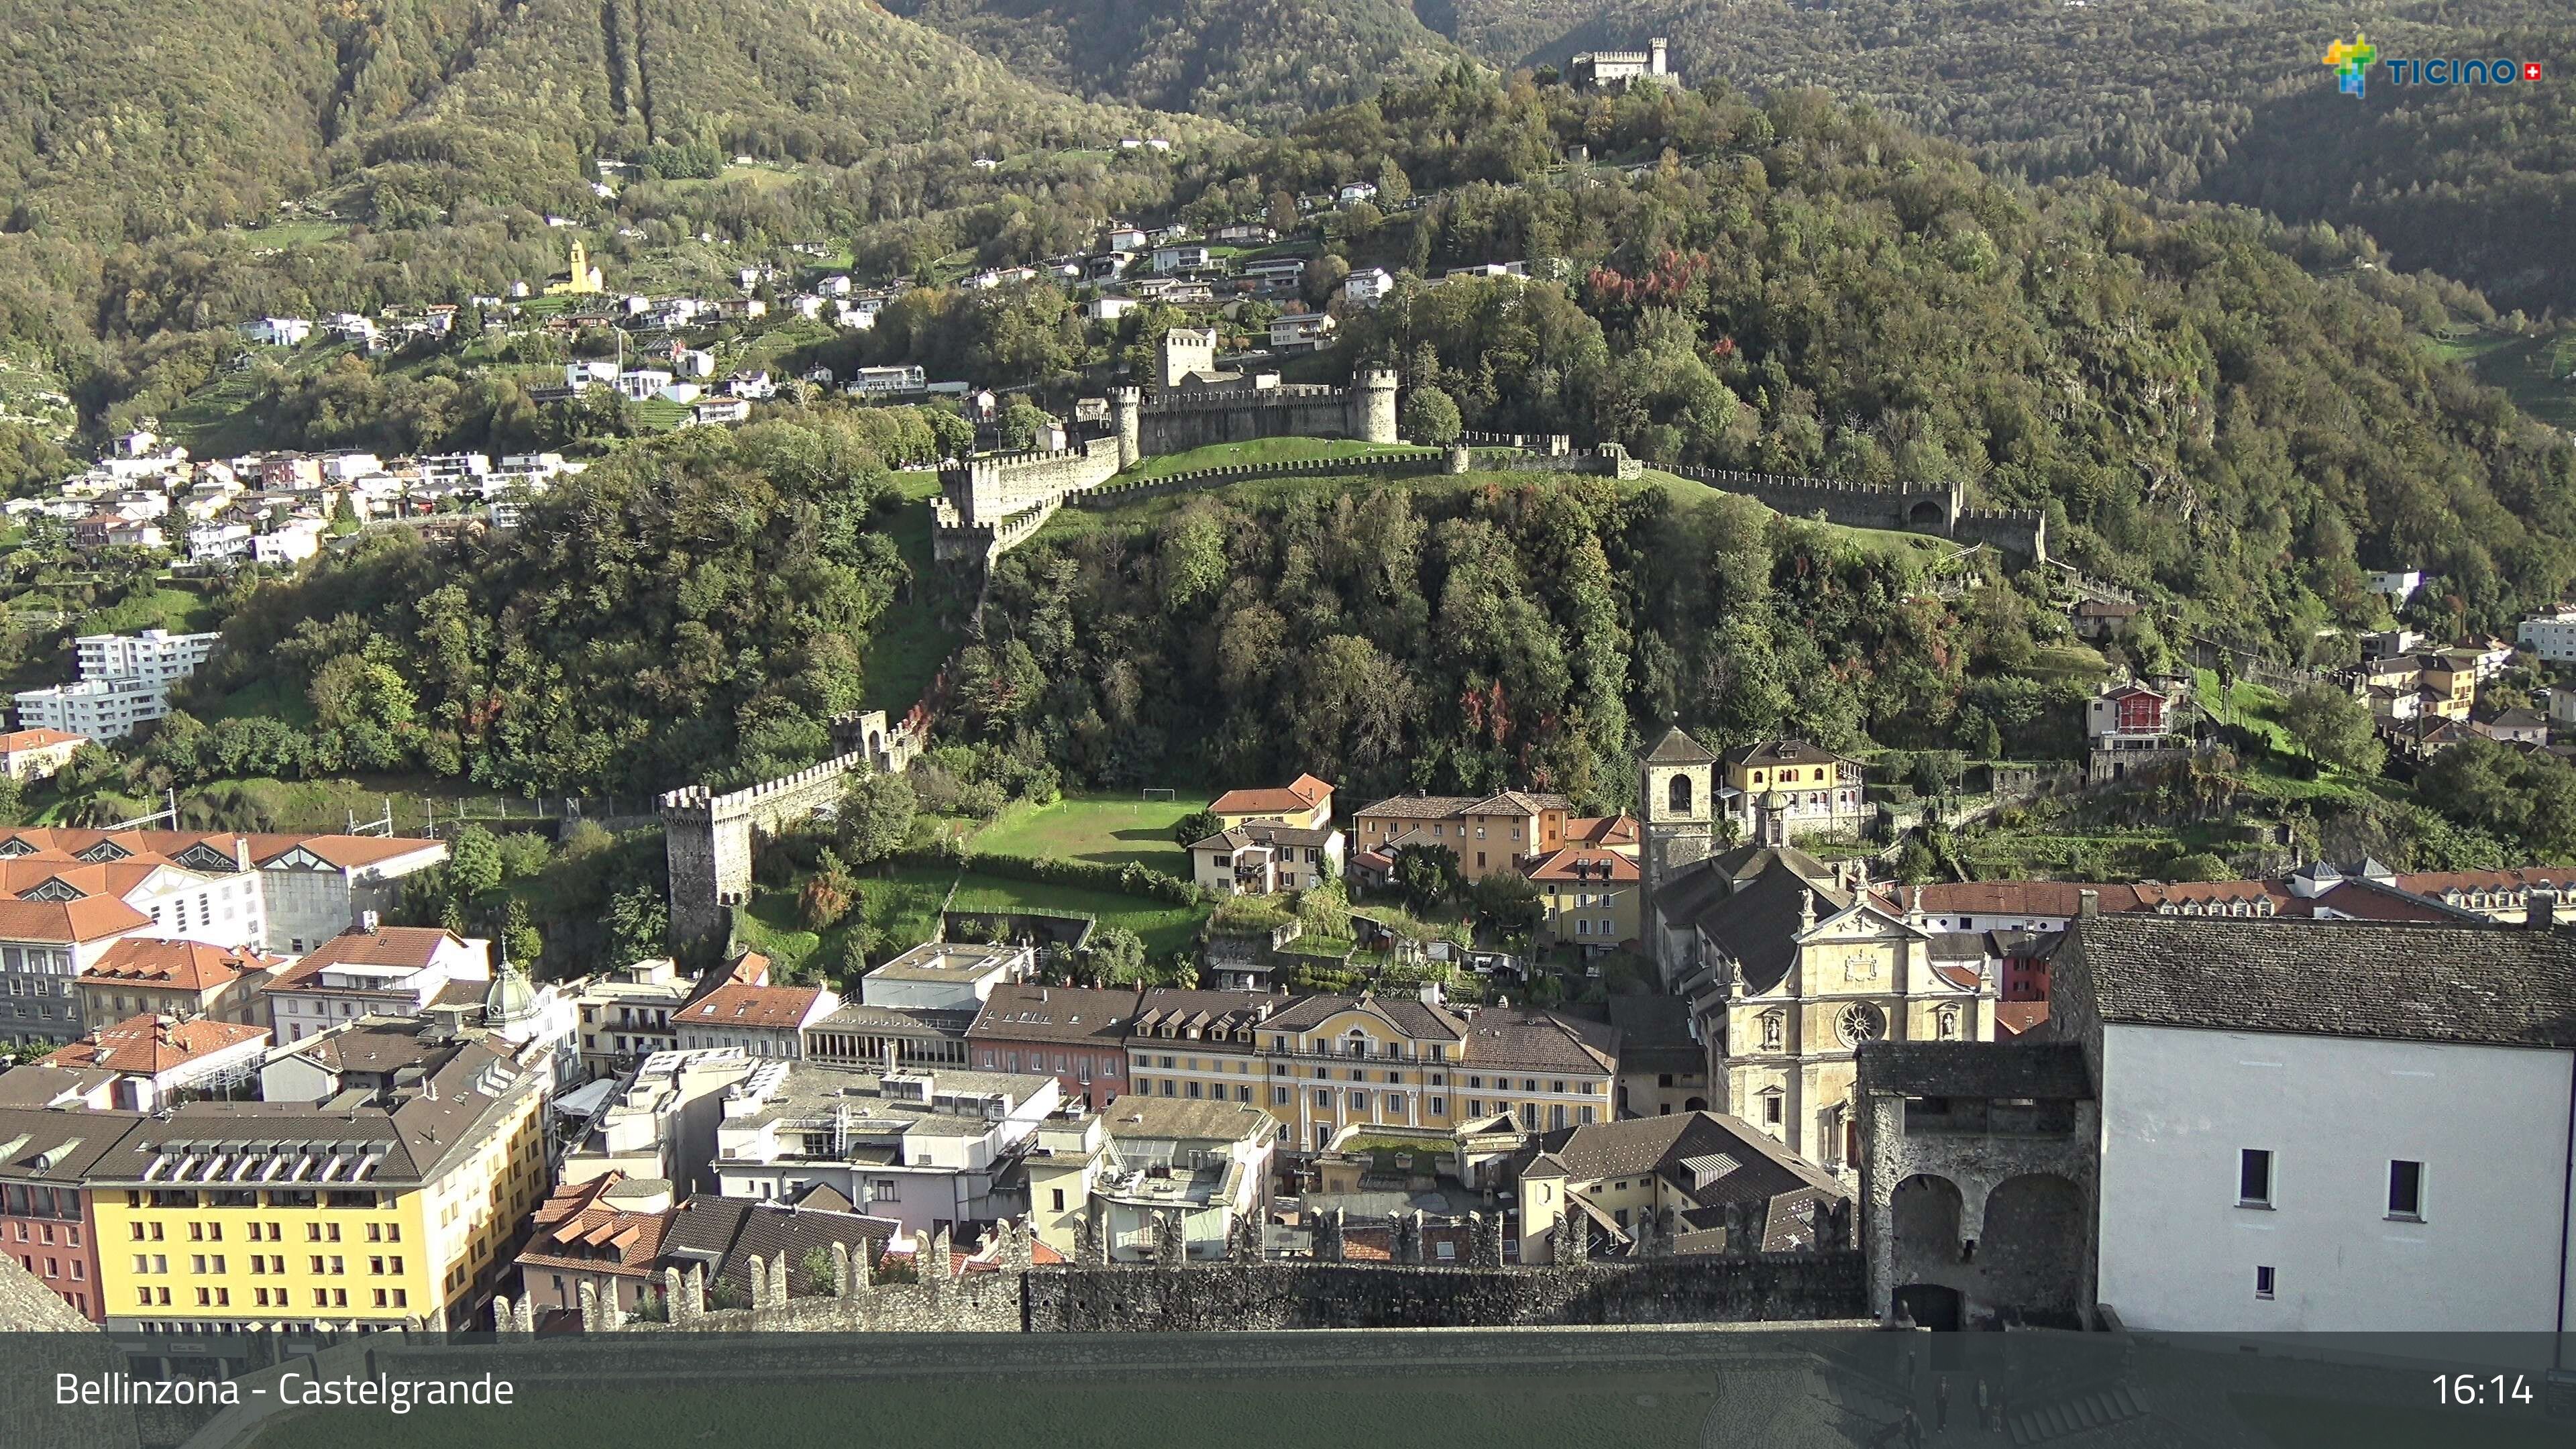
[[1654, 1034], [2435, 983], [1677, 748], [1056, 1013], [1413, 1017], [2042, 1070], [1758, 924]]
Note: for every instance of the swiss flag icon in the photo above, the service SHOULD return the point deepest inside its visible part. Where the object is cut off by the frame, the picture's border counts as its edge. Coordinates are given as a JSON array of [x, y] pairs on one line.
[[2531, 70]]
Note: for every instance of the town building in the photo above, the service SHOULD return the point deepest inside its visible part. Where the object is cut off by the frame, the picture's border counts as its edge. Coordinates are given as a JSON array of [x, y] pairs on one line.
[[1780, 792], [1652, 1184], [661, 1122], [161, 1059], [397, 1210], [929, 1150], [29, 755], [1301, 332], [1491, 833], [764, 1021], [890, 1039], [280, 894], [1079, 1034], [1205, 1165], [1663, 1062], [1587, 898], [2357, 1127], [46, 1158], [142, 975], [44, 947], [626, 1014], [603, 1234], [721, 1236], [1305, 801], [2552, 636], [1367, 288], [2131, 725], [2450, 683], [1193, 1044], [1262, 857], [1336, 1062], [124, 681], [399, 971], [2515, 727], [946, 976], [579, 278]]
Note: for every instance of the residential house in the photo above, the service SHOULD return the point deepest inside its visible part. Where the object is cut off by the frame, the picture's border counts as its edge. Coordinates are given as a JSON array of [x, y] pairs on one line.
[[1368, 288], [2102, 618], [603, 1234], [2516, 727], [722, 1236], [1244, 234], [1663, 1063], [44, 947], [1785, 791], [1305, 801], [2552, 636], [396, 1210], [1171, 259], [281, 331], [399, 971], [1666, 1184], [626, 1014], [2450, 683], [27, 755], [1491, 834], [1301, 332], [1206, 1164], [141, 975], [2132, 725], [159, 1060], [1355, 192], [1263, 857], [46, 1158], [125, 681], [1078, 1034], [1587, 897], [929, 1150], [764, 1021]]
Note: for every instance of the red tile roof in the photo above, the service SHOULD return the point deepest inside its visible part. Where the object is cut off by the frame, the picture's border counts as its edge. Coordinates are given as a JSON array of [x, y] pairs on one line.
[[147, 1046], [64, 923], [186, 965], [577, 1229], [774, 1007], [18, 740], [2016, 1018], [1602, 830], [412, 946], [1299, 796]]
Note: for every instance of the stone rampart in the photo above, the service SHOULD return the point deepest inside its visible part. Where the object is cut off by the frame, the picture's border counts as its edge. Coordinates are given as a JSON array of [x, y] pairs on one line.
[[1937, 508], [707, 841]]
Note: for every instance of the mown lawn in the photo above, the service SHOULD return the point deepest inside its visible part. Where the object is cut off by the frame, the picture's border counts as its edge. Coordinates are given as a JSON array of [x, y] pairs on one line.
[[1260, 450], [903, 905], [1110, 829]]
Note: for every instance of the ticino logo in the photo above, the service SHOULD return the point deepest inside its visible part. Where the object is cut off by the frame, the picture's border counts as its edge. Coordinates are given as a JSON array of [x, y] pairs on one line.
[[2352, 59]]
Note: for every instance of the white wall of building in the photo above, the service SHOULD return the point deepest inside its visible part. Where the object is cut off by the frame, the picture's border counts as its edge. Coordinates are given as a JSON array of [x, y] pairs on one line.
[[2179, 1254]]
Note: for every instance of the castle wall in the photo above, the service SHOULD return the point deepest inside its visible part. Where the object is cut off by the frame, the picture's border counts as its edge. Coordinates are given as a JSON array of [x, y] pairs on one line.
[[1920, 508], [1294, 1294], [1176, 423], [989, 490], [707, 842]]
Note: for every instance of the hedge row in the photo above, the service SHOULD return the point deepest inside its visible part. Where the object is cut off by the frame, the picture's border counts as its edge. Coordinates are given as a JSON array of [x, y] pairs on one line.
[[1129, 879]]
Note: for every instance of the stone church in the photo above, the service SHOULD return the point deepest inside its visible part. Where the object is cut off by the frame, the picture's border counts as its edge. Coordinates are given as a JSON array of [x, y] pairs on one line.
[[1787, 962]]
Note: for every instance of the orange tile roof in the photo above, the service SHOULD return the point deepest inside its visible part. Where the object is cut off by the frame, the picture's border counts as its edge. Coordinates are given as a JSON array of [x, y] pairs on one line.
[[147, 1046], [187, 965], [781, 1007], [18, 740], [2014, 1018], [413, 946], [1295, 798], [64, 923], [1602, 830]]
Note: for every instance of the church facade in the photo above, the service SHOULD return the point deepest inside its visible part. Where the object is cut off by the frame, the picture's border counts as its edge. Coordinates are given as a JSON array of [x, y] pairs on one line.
[[1788, 963]]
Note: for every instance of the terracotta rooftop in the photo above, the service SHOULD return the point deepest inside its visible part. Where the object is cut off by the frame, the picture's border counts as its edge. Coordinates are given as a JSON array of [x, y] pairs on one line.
[[412, 946], [1581, 863], [1295, 798], [781, 1008], [18, 740], [147, 1046], [183, 965], [64, 923]]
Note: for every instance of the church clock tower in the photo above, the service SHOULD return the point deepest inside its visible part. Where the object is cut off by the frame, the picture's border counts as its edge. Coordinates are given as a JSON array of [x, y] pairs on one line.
[[1677, 809]]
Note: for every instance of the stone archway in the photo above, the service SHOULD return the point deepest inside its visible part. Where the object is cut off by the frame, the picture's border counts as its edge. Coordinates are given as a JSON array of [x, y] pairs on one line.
[[2030, 1258], [1927, 513], [1926, 1212], [1695, 1104]]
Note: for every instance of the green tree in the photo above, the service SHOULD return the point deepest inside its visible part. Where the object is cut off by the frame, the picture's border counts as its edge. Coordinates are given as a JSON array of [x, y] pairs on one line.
[[1426, 874], [2333, 727], [639, 924], [877, 812], [474, 867], [1431, 417], [1507, 901], [520, 937], [1113, 956], [13, 804], [815, 1277], [1196, 826]]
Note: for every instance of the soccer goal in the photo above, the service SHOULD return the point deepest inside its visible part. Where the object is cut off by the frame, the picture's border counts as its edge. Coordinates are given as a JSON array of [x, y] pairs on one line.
[[1153, 794]]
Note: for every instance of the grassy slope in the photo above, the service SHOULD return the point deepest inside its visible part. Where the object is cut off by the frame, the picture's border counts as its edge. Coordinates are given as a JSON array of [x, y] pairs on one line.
[[912, 640], [903, 905], [1108, 829], [2538, 372]]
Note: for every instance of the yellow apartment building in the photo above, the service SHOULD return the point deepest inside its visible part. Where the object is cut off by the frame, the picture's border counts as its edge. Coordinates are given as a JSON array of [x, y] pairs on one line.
[[369, 1210], [1333, 1062]]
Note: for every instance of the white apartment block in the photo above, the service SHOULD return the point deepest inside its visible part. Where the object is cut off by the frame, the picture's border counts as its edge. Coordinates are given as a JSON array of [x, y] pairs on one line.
[[2551, 636], [125, 681]]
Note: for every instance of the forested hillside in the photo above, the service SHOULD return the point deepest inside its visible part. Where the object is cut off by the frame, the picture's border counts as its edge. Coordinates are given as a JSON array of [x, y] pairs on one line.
[[2220, 99], [1250, 61]]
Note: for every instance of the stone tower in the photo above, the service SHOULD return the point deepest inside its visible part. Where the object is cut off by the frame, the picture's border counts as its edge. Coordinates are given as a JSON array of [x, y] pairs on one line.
[[1677, 812], [1187, 352], [1373, 405], [1125, 404]]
